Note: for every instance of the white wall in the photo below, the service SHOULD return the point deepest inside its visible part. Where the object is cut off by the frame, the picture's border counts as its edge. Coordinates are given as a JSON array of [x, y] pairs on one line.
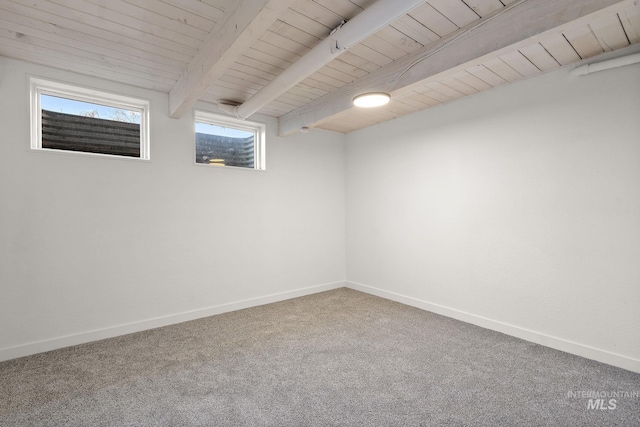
[[93, 247], [517, 209]]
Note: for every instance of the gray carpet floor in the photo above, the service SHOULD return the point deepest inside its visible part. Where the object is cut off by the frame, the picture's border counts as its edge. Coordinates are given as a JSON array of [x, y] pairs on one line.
[[337, 358]]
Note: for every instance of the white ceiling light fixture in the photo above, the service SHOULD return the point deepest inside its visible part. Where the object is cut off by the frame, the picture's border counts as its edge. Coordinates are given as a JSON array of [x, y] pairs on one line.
[[371, 99]]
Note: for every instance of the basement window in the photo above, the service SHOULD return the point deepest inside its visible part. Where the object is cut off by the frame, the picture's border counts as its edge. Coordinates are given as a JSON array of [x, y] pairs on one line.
[[225, 141], [76, 119]]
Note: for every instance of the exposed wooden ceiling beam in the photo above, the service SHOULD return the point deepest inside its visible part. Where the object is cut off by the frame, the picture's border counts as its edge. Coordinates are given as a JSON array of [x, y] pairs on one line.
[[498, 32], [245, 23]]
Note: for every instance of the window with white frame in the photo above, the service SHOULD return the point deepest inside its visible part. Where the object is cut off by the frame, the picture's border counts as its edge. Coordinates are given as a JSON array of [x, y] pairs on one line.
[[72, 118], [226, 141]]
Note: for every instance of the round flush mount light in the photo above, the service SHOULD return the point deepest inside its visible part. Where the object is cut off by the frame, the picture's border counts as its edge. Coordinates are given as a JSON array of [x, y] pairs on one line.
[[371, 99]]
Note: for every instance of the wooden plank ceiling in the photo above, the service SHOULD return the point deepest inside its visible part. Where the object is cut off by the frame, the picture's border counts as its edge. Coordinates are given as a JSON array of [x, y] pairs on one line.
[[215, 50]]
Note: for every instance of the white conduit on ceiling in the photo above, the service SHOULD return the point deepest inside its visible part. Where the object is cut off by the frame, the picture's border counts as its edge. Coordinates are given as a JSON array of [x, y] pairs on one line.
[[606, 65], [366, 23]]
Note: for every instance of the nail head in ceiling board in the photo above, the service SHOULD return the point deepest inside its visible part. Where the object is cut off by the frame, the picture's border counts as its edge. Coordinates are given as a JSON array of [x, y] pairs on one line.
[[583, 41], [455, 11], [433, 20], [398, 40], [484, 7], [609, 32], [630, 18], [540, 57], [336, 74], [560, 49]]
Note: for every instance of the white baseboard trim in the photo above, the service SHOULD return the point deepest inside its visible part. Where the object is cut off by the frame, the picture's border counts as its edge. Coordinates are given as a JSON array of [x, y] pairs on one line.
[[114, 331], [571, 347]]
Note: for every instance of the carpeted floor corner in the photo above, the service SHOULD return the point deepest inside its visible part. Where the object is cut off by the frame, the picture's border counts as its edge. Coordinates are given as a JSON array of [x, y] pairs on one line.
[[337, 358]]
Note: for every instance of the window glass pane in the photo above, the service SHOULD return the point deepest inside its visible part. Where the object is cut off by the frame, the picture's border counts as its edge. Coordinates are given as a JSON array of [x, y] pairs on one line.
[[86, 109], [73, 125], [224, 146]]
